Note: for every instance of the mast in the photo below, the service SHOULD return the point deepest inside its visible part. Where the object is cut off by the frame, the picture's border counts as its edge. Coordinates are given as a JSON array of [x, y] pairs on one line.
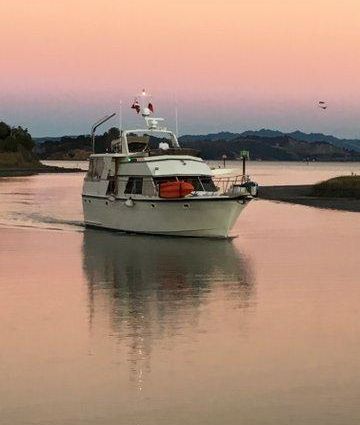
[[176, 121], [120, 117]]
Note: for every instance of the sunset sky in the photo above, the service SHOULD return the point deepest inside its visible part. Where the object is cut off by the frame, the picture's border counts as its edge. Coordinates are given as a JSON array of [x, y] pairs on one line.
[[231, 65]]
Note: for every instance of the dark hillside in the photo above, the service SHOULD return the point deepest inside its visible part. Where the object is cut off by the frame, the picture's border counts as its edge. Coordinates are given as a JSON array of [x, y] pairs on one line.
[[75, 148], [213, 147], [283, 148]]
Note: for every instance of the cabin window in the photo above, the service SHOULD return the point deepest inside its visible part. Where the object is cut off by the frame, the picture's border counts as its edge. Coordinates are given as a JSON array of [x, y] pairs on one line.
[[137, 143], [159, 180], [194, 181], [134, 185], [208, 184], [201, 184], [111, 186]]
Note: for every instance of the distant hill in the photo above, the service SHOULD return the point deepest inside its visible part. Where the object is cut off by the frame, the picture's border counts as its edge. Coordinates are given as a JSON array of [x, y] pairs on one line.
[[281, 148], [74, 147], [38, 140], [263, 144], [262, 133], [222, 135], [351, 144]]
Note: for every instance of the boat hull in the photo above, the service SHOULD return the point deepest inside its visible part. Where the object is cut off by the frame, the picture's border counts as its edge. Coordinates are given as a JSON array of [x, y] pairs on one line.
[[212, 218]]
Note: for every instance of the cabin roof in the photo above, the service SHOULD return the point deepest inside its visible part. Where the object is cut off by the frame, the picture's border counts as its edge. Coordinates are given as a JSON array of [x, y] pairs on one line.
[[148, 158]]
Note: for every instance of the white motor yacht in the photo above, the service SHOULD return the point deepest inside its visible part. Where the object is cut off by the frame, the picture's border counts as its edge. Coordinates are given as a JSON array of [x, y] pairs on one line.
[[162, 190]]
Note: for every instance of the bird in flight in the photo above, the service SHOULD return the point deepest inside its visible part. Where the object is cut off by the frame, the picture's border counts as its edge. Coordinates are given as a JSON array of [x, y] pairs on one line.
[[322, 104]]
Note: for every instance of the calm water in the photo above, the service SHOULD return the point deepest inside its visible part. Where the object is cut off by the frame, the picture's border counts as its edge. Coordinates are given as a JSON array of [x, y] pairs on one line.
[[105, 328]]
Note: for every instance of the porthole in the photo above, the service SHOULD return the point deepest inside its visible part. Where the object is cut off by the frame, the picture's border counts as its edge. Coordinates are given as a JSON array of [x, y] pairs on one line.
[[186, 206], [152, 205]]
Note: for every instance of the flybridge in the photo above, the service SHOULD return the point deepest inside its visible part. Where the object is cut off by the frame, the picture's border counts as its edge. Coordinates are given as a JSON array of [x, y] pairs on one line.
[[132, 142]]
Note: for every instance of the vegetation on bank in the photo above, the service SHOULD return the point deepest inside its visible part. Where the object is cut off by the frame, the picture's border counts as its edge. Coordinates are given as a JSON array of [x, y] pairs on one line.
[[16, 148], [76, 147], [14, 138], [339, 187], [17, 156]]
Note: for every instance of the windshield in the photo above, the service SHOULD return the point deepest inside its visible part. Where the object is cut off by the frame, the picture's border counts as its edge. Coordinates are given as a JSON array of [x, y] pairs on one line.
[[200, 183]]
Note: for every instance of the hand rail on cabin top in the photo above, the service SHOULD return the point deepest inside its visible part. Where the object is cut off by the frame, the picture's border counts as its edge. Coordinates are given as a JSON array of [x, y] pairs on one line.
[[225, 183]]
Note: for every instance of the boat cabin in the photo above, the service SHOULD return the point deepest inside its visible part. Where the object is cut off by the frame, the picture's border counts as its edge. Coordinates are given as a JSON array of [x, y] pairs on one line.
[[118, 175]]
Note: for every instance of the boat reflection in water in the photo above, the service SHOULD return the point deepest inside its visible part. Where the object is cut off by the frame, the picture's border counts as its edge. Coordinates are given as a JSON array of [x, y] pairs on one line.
[[153, 288]]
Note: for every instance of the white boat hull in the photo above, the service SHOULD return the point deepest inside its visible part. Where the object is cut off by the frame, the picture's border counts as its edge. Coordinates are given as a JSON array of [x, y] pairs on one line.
[[186, 217]]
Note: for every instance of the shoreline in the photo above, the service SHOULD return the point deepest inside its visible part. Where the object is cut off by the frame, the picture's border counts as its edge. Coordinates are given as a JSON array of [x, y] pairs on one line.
[[293, 194], [45, 169], [303, 195]]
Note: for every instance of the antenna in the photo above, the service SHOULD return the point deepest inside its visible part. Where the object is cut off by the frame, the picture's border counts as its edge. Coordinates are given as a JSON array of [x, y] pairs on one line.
[[176, 121], [143, 97], [144, 104], [120, 118], [176, 114]]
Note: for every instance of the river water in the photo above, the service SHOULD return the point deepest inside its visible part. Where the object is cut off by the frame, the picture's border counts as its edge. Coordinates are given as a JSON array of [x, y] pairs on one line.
[[105, 328]]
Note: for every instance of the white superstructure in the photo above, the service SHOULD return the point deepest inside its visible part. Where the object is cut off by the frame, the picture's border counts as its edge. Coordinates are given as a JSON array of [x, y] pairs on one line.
[[123, 190]]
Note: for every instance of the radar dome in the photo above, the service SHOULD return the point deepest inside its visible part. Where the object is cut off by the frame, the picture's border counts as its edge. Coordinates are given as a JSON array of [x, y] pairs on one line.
[[146, 112]]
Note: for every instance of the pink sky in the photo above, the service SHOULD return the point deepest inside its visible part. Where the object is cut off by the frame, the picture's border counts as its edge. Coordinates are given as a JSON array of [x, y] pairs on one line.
[[233, 65]]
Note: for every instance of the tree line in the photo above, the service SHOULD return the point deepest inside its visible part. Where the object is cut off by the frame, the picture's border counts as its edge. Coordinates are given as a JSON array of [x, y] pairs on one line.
[[67, 144], [15, 139]]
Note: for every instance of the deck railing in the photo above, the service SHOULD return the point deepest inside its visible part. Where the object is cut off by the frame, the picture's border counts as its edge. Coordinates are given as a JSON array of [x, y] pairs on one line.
[[225, 184]]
